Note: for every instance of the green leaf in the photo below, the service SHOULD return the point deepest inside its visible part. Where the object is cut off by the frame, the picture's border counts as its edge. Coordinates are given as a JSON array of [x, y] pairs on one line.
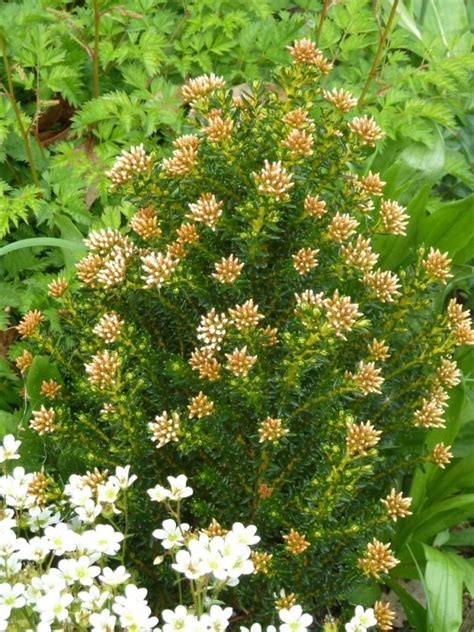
[[70, 233], [444, 582], [467, 569], [395, 250], [32, 450], [450, 227], [458, 477], [414, 611], [8, 423], [423, 478], [364, 594], [41, 241], [465, 537], [439, 516], [40, 370]]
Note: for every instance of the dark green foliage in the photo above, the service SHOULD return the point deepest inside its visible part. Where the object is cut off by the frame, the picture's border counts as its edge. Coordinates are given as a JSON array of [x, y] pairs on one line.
[[317, 485]]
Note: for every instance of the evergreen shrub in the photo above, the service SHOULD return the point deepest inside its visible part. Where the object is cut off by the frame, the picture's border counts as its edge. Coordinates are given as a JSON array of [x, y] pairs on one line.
[[240, 331]]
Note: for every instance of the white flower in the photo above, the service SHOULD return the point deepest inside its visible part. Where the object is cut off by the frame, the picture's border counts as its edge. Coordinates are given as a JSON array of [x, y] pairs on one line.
[[8, 542], [52, 581], [294, 620], [171, 534], [35, 550], [8, 451], [239, 565], [132, 594], [354, 626], [93, 599], [256, 627], [122, 477], [41, 518], [190, 564], [102, 621], [115, 577], [8, 522], [77, 491], [54, 606], [11, 565], [133, 610], [61, 539], [4, 615], [219, 618], [88, 511], [34, 591], [108, 492], [244, 535], [362, 620], [15, 489], [85, 572], [159, 493], [178, 487], [177, 619], [104, 539], [12, 596]]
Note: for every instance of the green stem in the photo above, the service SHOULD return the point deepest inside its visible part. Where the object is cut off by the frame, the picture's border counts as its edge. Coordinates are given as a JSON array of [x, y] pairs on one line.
[[16, 109], [378, 54], [95, 59]]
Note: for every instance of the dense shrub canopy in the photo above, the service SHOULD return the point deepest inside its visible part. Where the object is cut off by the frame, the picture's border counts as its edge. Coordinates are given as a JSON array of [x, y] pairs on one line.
[[239, 330]]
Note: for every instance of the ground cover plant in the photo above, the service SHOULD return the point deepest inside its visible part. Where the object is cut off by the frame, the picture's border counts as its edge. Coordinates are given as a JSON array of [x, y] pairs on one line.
[[240, 330]]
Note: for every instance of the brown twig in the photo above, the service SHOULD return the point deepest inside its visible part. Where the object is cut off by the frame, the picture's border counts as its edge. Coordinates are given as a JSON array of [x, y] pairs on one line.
[[322, 17], [95, 59], [378, 54], [16, 109]]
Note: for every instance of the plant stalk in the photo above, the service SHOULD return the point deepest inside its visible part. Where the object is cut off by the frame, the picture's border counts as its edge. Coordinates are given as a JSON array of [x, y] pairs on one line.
[[322, 17], [378, 54], [95, 58], [16, 109]]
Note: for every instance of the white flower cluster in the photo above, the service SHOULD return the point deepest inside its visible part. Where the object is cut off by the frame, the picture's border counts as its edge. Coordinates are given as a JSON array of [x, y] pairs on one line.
[[90, 501], [217, 620], [56, 576], [54, 573], [218, 559]]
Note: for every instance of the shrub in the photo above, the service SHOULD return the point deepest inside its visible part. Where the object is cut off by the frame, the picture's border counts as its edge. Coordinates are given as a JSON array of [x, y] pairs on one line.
[[238, 329]]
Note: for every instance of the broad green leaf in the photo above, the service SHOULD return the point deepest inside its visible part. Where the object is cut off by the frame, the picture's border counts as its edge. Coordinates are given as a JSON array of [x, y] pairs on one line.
[[427, 161], [8, 423], [40, 370], [32, 450], [464, 444], [423, 478], [436, 517], [444, 22], [364, 594], [466, 567], [444, 582], [450, 227], [395, 250], [465, 537], [458, 477], [414, 611]]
